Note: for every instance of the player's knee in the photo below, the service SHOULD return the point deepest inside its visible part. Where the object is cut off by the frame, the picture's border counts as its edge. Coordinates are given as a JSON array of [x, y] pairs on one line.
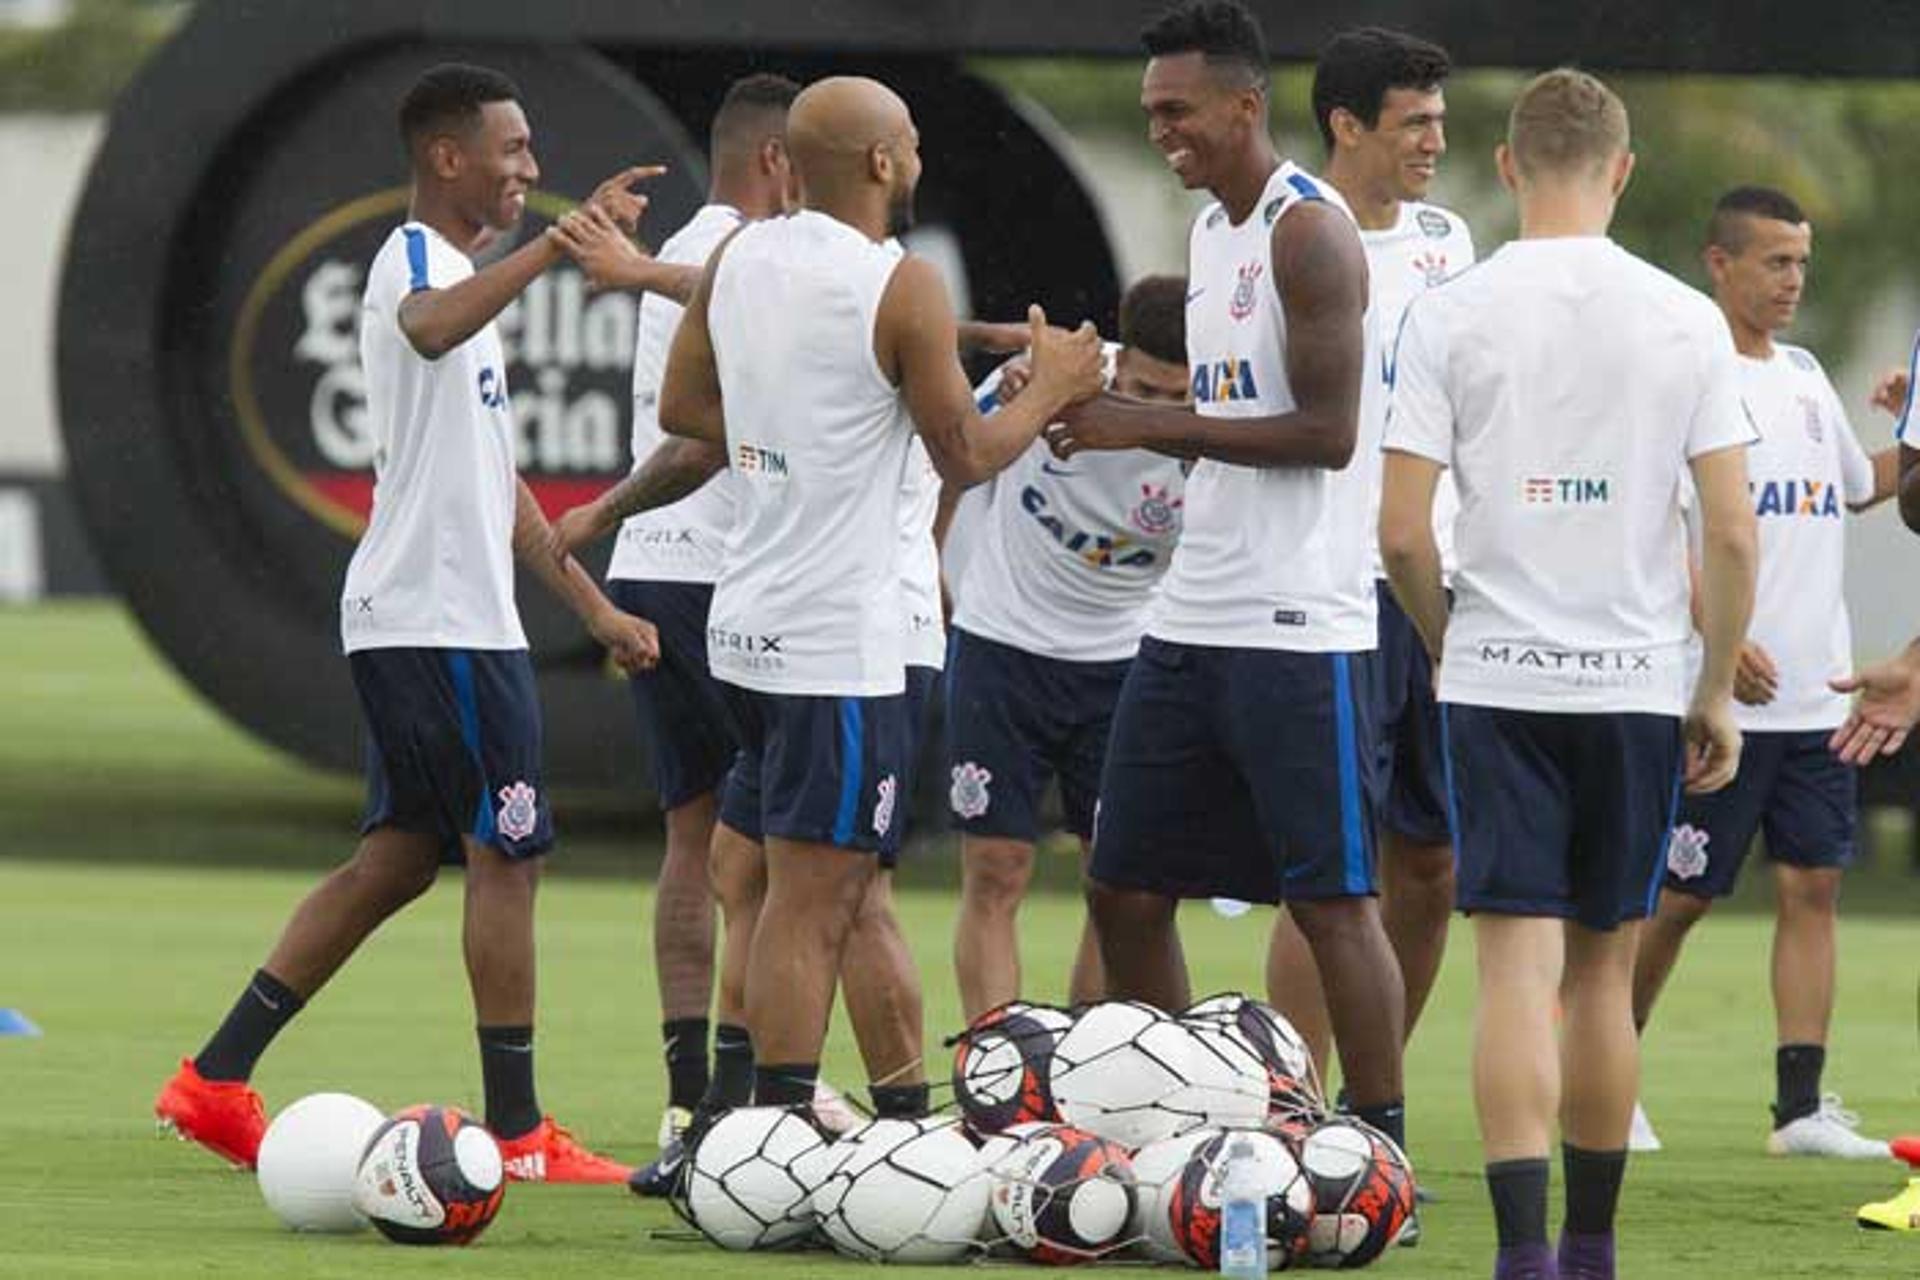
[[1122, 913], [1809, 891], [995, 874], [1335, 922], [395, 867], [1426, 868], [1683, 910]]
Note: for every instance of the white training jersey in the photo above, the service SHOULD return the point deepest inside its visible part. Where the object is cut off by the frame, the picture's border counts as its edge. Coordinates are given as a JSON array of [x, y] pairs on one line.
[[1567, 384], [1068, 554], [1269, 558], [680, 542], [1804, 471], [435, 567], [808, 601], [926, 638], [1424, 248]]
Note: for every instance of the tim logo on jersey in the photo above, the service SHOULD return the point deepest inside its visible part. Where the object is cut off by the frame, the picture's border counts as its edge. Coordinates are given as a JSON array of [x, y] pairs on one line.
[[1565, 491], [1221, 380], [1817, 498]]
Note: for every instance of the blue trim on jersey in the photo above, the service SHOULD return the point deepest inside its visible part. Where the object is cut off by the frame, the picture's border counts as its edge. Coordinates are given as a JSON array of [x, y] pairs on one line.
[[1673, 815], [416, 259], [1906, 410], [1308, 189], [460, 667], [1446, 766], [1352, 841], [850, 727]]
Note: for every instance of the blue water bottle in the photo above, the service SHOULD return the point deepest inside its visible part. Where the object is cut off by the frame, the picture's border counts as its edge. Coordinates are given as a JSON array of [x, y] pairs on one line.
[[1243, 1213]]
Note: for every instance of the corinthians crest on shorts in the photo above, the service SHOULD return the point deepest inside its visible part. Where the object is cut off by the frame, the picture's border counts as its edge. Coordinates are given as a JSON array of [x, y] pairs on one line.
[[519, 811]]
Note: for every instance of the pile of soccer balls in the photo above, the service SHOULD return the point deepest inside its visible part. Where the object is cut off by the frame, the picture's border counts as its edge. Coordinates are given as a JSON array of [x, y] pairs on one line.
[[1078, 1138], [428, 1175]]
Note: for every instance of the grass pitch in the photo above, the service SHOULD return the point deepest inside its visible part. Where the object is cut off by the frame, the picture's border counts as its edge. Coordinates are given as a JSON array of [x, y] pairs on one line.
[[124, 937]]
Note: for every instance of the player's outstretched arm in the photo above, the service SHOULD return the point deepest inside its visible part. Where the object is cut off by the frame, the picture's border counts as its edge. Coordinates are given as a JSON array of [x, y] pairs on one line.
[[915, 342], [612, 261], [671, 472], [435, 321], [1320, 270], [631, 642], [690, 403], [1729, 561], [1407, 545], [1886, 710]]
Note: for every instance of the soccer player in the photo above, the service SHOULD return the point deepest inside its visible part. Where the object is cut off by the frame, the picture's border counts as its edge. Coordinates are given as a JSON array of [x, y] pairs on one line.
[[1380, 104], [814, 351], [1062, 570], [1807, 470], [1571, 388], [433, 637], [1241, 759], [672, 525]]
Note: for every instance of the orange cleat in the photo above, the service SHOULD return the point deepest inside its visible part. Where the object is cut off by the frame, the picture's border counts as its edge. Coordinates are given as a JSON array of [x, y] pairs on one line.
[[1906, 1148], [551, 1154], [224, 1116]]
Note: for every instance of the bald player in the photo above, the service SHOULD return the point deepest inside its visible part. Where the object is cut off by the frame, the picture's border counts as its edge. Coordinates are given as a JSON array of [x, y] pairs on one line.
[[814, 352]]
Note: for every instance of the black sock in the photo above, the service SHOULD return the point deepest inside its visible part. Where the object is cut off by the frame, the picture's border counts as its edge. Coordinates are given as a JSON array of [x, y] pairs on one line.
[[1389, 1118], [785, 1084], [901, 1101], [732, 1083], [1593, 1188], [267, 1005], [686, 1045], [1796, 1072], [506, 1072], [1519, 1191]]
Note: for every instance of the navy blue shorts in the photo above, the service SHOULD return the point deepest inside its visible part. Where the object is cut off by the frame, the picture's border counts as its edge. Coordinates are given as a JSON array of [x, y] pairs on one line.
[[1789, 786], [453, 747], [1014, 719], [683, 714], [1558, 814], [1413, 763], [1240, 773], [791, 779]]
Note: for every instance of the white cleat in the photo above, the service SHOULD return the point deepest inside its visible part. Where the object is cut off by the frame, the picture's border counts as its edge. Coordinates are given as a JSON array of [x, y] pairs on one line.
[[833, 1112], [1641, 1136], [1831, 1131]]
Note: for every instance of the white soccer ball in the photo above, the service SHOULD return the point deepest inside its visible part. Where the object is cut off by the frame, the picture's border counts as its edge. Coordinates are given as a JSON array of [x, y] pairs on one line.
[[751, 1178], [1157, 1170], [1123, 1073], [1226, 1080], [1292, 1082], [309, 1159], [904, 1191]]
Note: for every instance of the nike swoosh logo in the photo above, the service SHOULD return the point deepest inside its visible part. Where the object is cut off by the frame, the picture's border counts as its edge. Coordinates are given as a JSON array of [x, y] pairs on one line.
[[1052, 470], [261, 996], [1194, 293]]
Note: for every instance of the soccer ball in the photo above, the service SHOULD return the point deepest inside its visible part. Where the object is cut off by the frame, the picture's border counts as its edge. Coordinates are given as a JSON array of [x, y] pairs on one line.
[[1000, 1066], [1062, 1196], [904, 1191], [1121, 1073], [309, 1157], [430, 1175], [1293, 1085], [749, 1179], [1193, 1209], [1362, 1190], [1227, 1083], [1156, 1172]]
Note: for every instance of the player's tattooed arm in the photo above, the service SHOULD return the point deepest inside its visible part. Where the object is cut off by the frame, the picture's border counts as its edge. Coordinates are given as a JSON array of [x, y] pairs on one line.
[[633, 643], [690, 403], [612, 261], [1320, 270], [915, 343], [671, 472], [1408, 548], [435, 321]]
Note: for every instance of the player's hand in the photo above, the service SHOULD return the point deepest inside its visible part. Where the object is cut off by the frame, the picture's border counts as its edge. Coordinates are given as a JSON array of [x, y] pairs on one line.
[[576, 528], [633, 643], [616, 198], [1711, 742], [1756, 677], [1015, 374], [1067, 367], [604, 252], [1890, 392], [1885, 711], [1091, 425]]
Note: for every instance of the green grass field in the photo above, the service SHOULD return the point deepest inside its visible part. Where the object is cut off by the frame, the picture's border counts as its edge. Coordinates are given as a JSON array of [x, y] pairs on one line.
[[124, 939]]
